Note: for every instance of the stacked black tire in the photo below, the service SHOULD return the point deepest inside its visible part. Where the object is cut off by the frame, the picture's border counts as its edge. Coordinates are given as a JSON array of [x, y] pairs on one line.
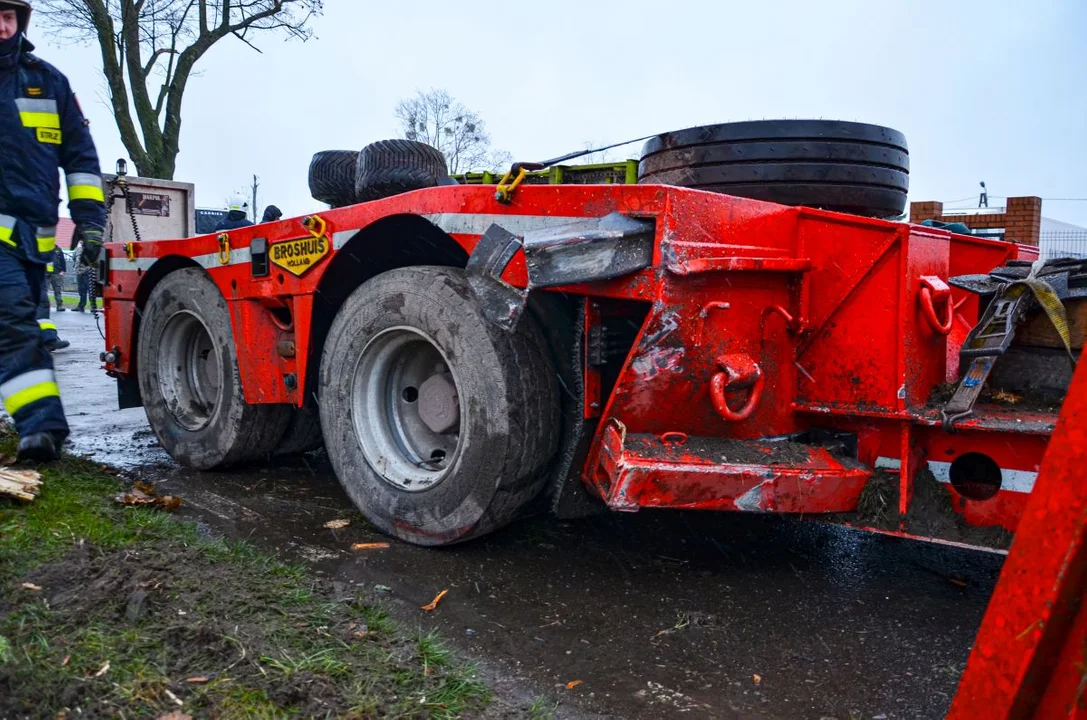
[[844, 166], [381, 169]]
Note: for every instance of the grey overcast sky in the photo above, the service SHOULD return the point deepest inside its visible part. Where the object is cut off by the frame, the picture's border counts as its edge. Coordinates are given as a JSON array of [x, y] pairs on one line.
[[986, 90]]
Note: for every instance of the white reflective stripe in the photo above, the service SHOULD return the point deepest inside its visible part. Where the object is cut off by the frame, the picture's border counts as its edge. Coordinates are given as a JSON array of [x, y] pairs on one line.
[[25, 381], [453, 223], [123, 263], [36, 105], [44, 232], [84, 179], [1021, 481], [477, 224], [340, 239], [210, 261], [7, 222]]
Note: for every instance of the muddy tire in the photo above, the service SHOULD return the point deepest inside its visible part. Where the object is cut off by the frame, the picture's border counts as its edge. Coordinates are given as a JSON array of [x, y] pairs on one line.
[[391, 167], [188, 375], [439, 425], [332, 177], [303, 433], [845, 166]]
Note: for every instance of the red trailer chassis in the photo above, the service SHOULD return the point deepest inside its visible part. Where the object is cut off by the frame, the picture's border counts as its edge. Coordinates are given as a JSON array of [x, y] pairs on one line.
[[752, 322]]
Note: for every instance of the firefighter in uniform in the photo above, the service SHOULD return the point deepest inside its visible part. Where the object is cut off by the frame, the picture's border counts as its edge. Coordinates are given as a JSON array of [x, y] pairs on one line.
[[42, 130]]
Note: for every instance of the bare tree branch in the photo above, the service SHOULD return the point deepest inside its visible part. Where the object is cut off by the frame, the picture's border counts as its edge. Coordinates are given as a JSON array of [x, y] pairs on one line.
[[439, 120], [160, 42]]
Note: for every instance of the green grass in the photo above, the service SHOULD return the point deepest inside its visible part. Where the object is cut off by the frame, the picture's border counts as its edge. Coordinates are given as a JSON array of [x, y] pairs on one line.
[[259, 638], [542, 709]]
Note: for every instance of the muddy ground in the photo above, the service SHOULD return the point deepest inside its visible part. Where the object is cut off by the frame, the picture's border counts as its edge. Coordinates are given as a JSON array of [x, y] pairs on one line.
[[711, 615]]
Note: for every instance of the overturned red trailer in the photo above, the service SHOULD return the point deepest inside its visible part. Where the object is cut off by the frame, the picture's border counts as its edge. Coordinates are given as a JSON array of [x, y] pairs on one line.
[[462, 350]]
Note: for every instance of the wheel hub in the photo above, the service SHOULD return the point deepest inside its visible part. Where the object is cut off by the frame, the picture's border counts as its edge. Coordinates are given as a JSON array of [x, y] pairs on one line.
[[439, 407], [406, 409], [188, 371]]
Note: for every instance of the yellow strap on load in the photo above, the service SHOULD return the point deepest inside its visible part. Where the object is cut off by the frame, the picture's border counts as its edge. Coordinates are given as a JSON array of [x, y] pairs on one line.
[[1047, 298]]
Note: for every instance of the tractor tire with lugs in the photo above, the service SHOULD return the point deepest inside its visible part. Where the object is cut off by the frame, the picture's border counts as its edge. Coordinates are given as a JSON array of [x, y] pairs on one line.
[[834, 165], [439, 425], [332, 177], [391, 167]]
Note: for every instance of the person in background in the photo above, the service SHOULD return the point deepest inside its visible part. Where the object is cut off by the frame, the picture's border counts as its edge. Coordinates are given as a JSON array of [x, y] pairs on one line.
[[56, 278], [235, 217], [83, 283], [271, 214], [42, 131], [47, 326]]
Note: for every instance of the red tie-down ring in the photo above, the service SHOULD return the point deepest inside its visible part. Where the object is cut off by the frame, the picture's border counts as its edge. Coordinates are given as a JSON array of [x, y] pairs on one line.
[[934, 290], [738, 372]]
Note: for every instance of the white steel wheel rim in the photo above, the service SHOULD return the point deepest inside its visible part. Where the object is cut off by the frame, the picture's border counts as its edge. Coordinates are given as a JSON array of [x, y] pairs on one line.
[[189, 372], [391, 386]]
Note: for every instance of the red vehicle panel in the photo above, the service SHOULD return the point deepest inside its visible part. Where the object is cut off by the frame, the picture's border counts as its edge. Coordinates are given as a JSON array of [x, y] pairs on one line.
[[754, 324]]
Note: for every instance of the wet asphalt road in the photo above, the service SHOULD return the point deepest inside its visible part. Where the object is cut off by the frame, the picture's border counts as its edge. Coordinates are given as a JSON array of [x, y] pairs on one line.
[[657, 614]]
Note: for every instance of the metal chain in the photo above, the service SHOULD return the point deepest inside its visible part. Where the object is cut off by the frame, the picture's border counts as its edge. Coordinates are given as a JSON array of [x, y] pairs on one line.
[[93, 291]]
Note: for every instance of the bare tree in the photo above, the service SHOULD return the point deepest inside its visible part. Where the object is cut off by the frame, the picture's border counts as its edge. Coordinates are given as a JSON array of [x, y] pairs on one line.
[[150, 47], [439, 120]]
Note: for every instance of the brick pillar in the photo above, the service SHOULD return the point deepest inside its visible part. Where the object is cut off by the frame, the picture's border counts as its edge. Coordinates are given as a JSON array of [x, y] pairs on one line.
[[929, 210], [1023, 220]]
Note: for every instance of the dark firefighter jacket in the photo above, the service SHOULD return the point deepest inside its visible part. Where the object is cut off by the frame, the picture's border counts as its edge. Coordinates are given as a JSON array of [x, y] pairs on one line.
[[42, 128], [60, 263], [234, 219]]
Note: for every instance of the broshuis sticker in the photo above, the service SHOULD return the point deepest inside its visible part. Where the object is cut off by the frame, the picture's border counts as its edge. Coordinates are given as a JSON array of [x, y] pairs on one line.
[[299, 256]]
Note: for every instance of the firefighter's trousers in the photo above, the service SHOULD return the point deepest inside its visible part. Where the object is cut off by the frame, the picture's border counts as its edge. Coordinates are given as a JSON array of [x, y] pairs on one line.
[[27, 383], [48, 326]]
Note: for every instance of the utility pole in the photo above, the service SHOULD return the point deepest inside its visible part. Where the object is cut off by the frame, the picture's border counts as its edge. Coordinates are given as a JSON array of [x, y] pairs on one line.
[[253, 206]]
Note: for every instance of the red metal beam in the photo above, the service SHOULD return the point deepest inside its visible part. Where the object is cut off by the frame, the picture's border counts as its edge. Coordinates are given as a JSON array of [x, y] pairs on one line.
[[1030, 657]]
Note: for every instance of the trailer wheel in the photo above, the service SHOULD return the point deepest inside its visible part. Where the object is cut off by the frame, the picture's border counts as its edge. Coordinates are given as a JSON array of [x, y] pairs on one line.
[[845, 166], [188, 374], [303, 433], [332, 177], [439, 425], [391, 167]]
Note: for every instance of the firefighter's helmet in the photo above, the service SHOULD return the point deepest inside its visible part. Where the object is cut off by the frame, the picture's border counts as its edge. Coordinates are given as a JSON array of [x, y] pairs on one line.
[[22, 11]]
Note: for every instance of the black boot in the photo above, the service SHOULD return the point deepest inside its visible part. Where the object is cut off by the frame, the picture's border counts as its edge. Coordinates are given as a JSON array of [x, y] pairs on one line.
[[57, 344], [39, 447]]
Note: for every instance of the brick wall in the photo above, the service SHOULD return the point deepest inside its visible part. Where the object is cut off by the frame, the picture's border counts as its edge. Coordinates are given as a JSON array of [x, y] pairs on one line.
[[1021, 219]]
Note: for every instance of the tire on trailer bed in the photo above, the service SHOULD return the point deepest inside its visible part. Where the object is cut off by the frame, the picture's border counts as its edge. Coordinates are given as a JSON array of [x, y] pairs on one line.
[[189, 379], [844, 166], [332, 177], [391, 167], [439, 425]]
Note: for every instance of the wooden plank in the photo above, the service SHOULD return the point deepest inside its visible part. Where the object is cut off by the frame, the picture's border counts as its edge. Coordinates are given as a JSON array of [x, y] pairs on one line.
[[1038, 331], [20, 484]]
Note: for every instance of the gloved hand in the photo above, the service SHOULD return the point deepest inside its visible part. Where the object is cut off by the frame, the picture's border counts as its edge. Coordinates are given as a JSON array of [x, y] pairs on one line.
[[91, 237]]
